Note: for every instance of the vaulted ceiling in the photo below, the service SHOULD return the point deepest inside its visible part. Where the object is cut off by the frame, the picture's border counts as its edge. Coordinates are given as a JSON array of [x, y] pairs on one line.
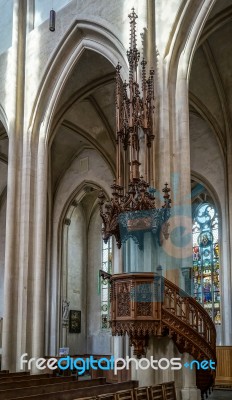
[[85, 115], [210, 88]]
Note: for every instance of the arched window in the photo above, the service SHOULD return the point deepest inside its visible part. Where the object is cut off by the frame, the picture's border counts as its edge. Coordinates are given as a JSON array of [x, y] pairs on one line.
[[206, 259], [105, 288]]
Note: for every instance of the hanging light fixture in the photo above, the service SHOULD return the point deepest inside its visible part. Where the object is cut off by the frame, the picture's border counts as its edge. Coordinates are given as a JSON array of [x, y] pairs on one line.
[[132, 210], [52, 21]]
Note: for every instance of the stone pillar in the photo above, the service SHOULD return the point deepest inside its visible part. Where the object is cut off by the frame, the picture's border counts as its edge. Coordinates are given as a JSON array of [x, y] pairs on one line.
[[64, 281], [162, 348], [118, 346], [185, 379], [224, 333], [146, 377], [189, 390], [39, 260], [15, 279], [187, 284]]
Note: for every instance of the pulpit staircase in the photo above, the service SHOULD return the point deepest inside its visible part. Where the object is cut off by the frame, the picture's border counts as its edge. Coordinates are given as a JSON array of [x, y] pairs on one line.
[[146, 304]]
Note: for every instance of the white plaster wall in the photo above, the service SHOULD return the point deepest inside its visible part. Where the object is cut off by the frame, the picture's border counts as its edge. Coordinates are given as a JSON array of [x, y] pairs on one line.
[[6, 21], [98, 172], [76, 277], [166, 13], [2, 252], [206, 157], [4, 62], [43, 7]]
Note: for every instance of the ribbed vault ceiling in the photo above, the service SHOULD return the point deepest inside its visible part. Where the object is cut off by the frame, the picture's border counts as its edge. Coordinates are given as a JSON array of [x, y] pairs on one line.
[[85, 115], [211, 75]]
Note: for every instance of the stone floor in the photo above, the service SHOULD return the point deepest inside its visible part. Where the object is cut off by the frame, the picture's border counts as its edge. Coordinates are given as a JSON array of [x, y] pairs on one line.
[[221, 395]]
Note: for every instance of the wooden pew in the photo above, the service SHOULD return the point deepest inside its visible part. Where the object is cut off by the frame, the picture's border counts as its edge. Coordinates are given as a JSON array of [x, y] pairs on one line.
[[35, 382], [164, 391], [10, 378], [91, 391], [125, 394], [109, 396], [14, 374], [49, 388]]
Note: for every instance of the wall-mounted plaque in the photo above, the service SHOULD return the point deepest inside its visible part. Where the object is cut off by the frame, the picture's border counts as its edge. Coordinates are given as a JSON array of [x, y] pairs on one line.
[[74, 321]]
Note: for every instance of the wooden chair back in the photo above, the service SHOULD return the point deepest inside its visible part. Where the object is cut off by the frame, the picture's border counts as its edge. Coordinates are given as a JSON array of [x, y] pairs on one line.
[[169, 391], [108, 396], [125, 395], [156, 392], [86, 398], [141, 393]]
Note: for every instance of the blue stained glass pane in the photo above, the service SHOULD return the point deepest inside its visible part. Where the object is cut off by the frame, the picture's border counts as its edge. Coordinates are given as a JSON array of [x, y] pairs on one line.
[[206, 260]]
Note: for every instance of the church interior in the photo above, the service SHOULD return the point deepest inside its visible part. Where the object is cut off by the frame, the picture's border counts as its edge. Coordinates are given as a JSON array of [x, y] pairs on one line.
[[116, 198]]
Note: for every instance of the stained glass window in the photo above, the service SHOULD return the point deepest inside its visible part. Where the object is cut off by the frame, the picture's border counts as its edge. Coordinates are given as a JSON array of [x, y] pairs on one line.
[[206, 260], [105, 288]]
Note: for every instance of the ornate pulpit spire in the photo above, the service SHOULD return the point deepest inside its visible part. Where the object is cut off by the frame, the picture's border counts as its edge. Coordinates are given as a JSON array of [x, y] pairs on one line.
[[132, 195]]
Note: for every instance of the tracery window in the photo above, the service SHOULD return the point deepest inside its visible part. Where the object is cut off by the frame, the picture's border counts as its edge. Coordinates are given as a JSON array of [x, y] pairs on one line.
[[206, 259], [105, 286]]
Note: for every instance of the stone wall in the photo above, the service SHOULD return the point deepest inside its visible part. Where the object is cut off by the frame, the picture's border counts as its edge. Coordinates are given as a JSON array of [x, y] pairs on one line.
[[76, 277], [6, 24], [2, 252]]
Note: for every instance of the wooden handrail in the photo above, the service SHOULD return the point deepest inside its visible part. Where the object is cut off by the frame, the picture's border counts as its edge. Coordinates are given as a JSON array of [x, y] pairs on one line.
[[136, 310], [201, 322], [162, 308]]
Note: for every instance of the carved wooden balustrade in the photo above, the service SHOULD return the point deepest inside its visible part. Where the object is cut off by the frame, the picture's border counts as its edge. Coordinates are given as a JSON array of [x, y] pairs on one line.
[[146, 304], [188, 323]]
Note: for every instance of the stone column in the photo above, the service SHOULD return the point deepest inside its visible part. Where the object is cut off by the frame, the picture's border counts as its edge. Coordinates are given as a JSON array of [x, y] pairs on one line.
[[146, 377], [39, 261], [189, 390], [224, 335], [159, 349], [187, 284], [64, 280], [15, 279]]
